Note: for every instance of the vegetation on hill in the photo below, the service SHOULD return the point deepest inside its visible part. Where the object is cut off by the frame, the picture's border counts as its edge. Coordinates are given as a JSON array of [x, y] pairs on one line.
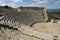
[[54, 15]]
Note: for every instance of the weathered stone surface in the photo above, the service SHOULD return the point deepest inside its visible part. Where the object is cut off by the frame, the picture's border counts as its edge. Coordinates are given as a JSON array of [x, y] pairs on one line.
[[41, 10], [26, 18], [10, 34], [49, 28]]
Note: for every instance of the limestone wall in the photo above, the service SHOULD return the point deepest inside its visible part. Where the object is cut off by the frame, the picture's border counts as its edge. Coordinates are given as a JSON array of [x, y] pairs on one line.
[[35, 10]]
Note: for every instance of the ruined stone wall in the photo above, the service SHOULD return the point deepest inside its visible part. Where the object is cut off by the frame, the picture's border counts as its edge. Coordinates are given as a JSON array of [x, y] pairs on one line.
[[42, 11]]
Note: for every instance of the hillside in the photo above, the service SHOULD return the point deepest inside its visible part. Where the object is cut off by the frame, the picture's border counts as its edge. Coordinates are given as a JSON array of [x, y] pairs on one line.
[[53, 13]]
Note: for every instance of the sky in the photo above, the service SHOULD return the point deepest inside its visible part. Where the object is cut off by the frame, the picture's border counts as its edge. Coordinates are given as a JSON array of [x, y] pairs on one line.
[[49, 4]]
